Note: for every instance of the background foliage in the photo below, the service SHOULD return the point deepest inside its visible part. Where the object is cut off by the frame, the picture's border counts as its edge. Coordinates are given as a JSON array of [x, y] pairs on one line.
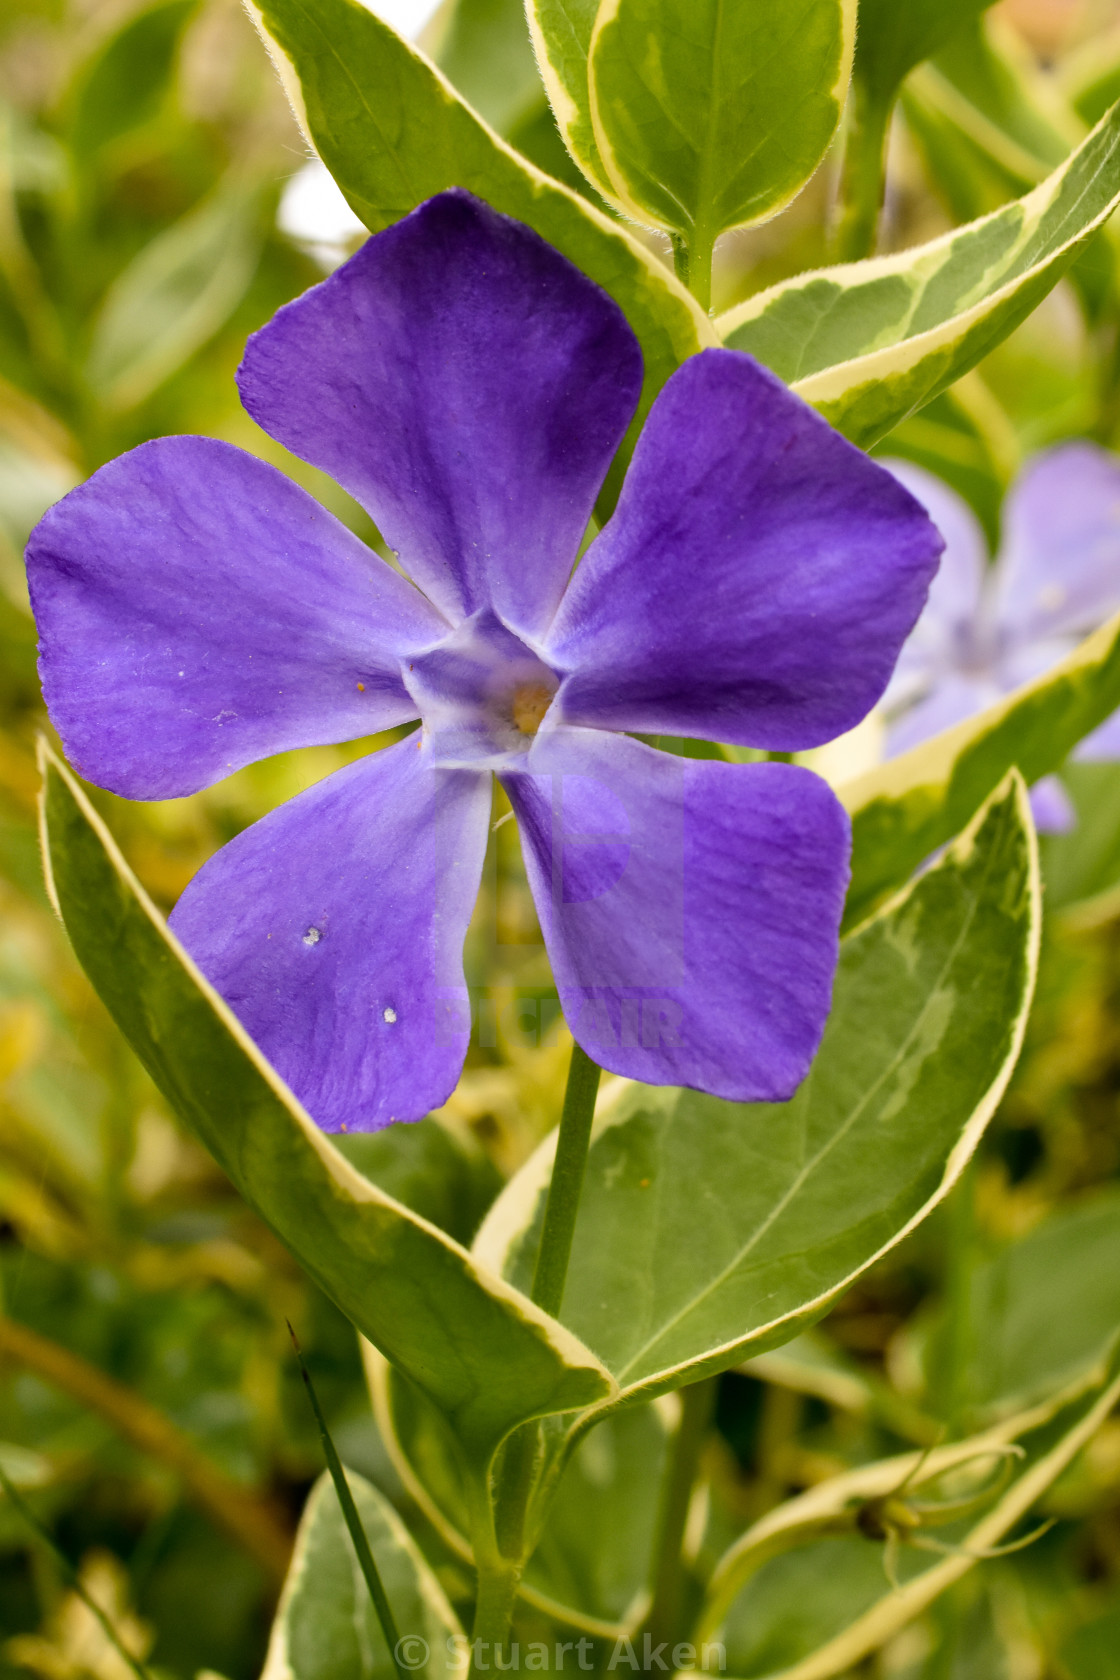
[[149, 1407]]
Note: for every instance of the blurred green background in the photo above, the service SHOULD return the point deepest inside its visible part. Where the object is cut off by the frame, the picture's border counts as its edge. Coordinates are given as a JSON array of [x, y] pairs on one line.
[[156, 205]]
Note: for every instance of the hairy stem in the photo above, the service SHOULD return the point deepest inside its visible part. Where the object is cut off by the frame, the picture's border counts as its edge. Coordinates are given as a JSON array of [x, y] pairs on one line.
[[497, 1592], [681, 264], [567, 1181], [667, 1575], [862, 172], [692, 264]]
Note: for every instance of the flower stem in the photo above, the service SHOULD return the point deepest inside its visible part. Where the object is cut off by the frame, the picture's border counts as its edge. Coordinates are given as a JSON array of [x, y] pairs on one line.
[[567, 1181], [862, 169], [493, 1613], [499, 1574], [667, 1575]]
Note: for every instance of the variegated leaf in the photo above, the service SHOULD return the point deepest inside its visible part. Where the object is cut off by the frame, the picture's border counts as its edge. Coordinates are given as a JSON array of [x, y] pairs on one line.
[[486, 1356], [561, 31], [903, 809], [712, 114], [393, 132], [325, 1623], [869, 343], [709, 1231]]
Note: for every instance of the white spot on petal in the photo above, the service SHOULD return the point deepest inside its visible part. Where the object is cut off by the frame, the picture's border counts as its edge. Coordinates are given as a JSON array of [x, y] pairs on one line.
[[312, 936], [389, 1014]]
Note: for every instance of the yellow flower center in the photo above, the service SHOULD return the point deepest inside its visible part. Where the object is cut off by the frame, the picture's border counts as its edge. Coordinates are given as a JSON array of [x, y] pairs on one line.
[[530, 702]]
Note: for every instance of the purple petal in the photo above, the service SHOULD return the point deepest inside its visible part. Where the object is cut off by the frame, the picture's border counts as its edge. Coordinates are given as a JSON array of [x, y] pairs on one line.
[[469, 386], [1052, 807], [949, 623], [1103, 744], [334, 930], [1022, 661], [197, 611], [951, 699], [690, 908], [757, 580], [1060, 562]]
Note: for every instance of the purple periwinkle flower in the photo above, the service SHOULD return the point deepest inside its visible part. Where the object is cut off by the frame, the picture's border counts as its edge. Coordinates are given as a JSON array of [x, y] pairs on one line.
[[987, 628], [469, 387]]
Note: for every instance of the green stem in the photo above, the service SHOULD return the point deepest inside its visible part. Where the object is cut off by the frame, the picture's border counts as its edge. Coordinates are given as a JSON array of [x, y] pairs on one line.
[[692, 264], [514, 1483], [567, 1181], [667, 1575], [862, 173], [499, 1571], [493, 1612]]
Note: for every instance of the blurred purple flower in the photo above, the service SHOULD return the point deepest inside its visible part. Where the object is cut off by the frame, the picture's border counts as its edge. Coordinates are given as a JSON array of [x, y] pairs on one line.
[[988, 628], [469, 387]]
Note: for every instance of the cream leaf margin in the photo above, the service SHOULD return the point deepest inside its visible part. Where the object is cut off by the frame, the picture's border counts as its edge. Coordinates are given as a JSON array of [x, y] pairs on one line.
[[922, 263], [838, 92]]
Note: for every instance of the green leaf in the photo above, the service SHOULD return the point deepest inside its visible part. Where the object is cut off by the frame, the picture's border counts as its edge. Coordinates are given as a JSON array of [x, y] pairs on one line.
[[874, 1627], [561, 32], [125, 84], [488, 55], [712, 114], [326, 1628], [1093, 1652], [174, 296], [538, 139], [393, 132], [486, 1356], [1082, 867], [958, 163], [1042, 1317], [29, 483], [991, 125], [830, 1508], [908, 806], [593, 1555], [868, 343], [987, 81], [32, 160], [726, 1227], [810, 1364], [1089, 77], [591, 1563], [894, 38], [964, 437], [797, 1602], [435, 1167]]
